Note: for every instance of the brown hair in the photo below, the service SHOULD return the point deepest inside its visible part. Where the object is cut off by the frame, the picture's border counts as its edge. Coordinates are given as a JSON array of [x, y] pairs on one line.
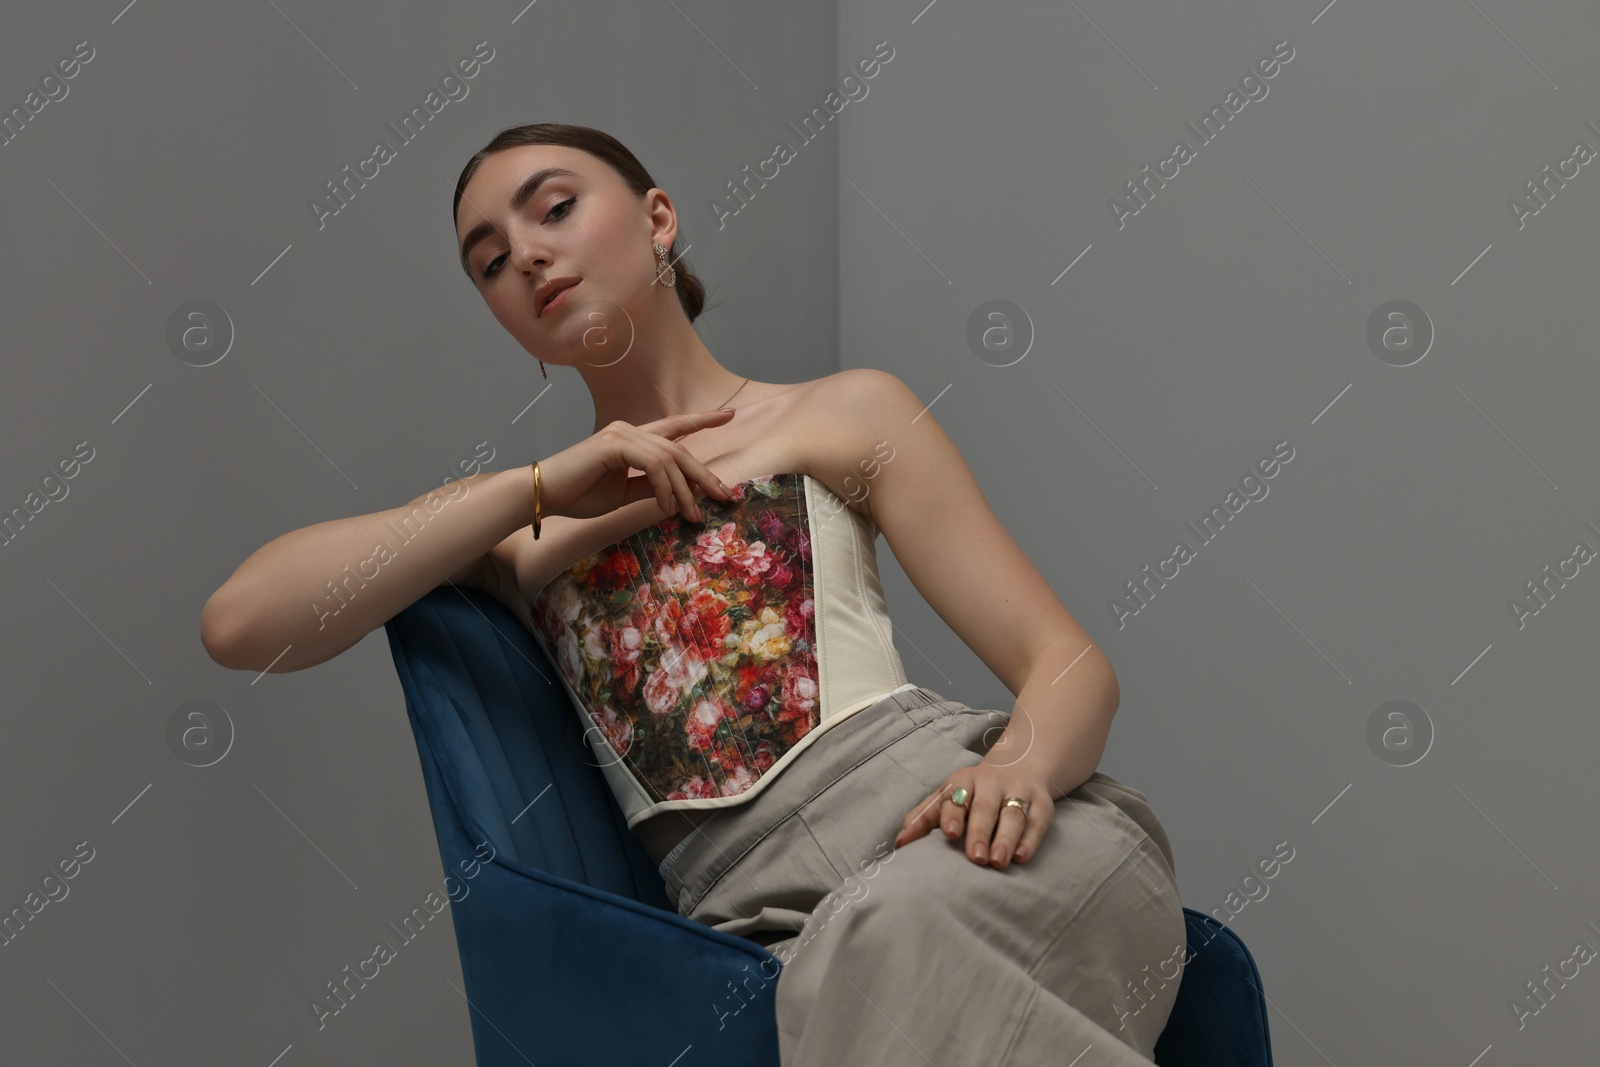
[[691, 292]]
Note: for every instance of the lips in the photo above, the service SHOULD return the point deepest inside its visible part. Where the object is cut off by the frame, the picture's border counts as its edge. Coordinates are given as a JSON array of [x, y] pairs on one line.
[[556, 294]]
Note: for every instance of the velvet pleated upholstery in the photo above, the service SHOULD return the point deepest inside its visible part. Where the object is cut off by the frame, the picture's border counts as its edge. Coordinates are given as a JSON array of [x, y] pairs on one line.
[[570, 950], [1220, 1016]]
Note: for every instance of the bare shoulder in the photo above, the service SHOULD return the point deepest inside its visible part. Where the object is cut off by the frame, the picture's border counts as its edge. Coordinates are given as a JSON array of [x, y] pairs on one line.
[[853, 421], [864, 384]]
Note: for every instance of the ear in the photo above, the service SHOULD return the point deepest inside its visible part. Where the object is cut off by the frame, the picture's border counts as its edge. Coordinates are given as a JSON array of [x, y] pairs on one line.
[[663, 217]]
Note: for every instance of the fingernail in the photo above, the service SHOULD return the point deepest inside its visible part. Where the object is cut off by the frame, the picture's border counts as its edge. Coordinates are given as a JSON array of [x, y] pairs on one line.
[[979, 851]]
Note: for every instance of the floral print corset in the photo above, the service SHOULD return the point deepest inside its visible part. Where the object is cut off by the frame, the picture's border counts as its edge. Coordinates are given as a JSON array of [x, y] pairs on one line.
[[692, 648]]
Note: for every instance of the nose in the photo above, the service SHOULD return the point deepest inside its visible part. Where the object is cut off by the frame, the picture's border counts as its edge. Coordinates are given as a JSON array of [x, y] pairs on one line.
[[524, 259]]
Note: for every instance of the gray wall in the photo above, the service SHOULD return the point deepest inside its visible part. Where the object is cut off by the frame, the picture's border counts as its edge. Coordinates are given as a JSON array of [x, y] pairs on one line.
[[1230, 313], [1224, 317]]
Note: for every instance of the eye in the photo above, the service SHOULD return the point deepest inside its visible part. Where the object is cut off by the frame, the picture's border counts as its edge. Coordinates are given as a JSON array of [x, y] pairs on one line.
[[556, 212]]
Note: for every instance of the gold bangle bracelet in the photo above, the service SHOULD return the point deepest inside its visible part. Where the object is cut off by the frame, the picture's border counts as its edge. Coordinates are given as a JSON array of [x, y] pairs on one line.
[[536, 515]]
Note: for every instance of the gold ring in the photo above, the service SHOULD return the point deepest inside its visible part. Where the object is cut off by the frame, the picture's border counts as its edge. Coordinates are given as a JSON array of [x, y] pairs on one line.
[[1016, 802], [959, 796]]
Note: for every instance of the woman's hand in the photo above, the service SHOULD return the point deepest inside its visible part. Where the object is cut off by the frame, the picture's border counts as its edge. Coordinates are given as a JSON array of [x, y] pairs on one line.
[[983, 817], [591, 478]]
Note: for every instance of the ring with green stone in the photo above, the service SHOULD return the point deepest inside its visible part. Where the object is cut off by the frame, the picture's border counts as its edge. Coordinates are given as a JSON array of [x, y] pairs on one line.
[[960, 796]]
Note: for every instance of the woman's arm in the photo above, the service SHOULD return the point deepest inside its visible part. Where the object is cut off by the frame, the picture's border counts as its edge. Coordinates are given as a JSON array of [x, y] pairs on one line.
[[308, 595], [977, 578], [1062, 718], [311, 594]]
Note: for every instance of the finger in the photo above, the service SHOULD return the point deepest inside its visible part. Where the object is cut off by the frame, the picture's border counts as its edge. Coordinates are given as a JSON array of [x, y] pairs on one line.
[[654, 458], [701, 475], [683, 496], [680, 499], [928, 814], [675, 426], [645, 454], [985, 810], [953, 816], [1007, 833], [920, 819], [684, 467], [655, 475], [1040, 815]]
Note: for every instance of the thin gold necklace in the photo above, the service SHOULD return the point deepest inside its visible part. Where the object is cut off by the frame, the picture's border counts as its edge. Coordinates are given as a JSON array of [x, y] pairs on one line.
[[735, 393], [722, 405]]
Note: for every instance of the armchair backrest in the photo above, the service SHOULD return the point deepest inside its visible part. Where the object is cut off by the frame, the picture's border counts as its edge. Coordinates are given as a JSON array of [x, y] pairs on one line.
[[502, 752]]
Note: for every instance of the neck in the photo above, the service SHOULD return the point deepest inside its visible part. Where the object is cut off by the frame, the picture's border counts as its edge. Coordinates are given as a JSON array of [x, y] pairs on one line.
[[667, 371]]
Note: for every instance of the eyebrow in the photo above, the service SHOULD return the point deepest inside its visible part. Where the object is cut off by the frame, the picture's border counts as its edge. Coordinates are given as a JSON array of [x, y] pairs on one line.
[[519, 198]]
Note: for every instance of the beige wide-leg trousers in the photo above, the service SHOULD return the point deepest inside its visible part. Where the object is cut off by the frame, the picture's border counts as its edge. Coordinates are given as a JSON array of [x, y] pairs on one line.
[[917, 956]]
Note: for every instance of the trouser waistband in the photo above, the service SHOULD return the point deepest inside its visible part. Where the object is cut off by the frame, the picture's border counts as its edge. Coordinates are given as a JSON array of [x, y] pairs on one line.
[[845, 746], [905, 697]]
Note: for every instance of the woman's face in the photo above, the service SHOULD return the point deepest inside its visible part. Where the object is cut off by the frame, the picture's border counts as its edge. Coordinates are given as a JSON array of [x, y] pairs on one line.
[[580, 221]]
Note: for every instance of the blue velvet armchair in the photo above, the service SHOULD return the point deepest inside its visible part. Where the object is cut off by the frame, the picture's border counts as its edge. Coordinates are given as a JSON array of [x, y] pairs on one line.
[[570, 950]]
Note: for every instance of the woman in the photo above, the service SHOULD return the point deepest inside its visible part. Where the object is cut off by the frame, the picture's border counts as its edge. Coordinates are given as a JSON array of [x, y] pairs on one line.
[[718, 622]]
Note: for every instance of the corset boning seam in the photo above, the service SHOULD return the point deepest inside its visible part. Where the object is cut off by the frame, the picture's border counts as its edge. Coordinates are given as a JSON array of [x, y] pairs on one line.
[[819, 600], [869, 608]]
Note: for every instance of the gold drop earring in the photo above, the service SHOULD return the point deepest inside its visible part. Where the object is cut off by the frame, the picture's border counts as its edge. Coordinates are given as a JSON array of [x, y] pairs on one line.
[[664, 273]]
